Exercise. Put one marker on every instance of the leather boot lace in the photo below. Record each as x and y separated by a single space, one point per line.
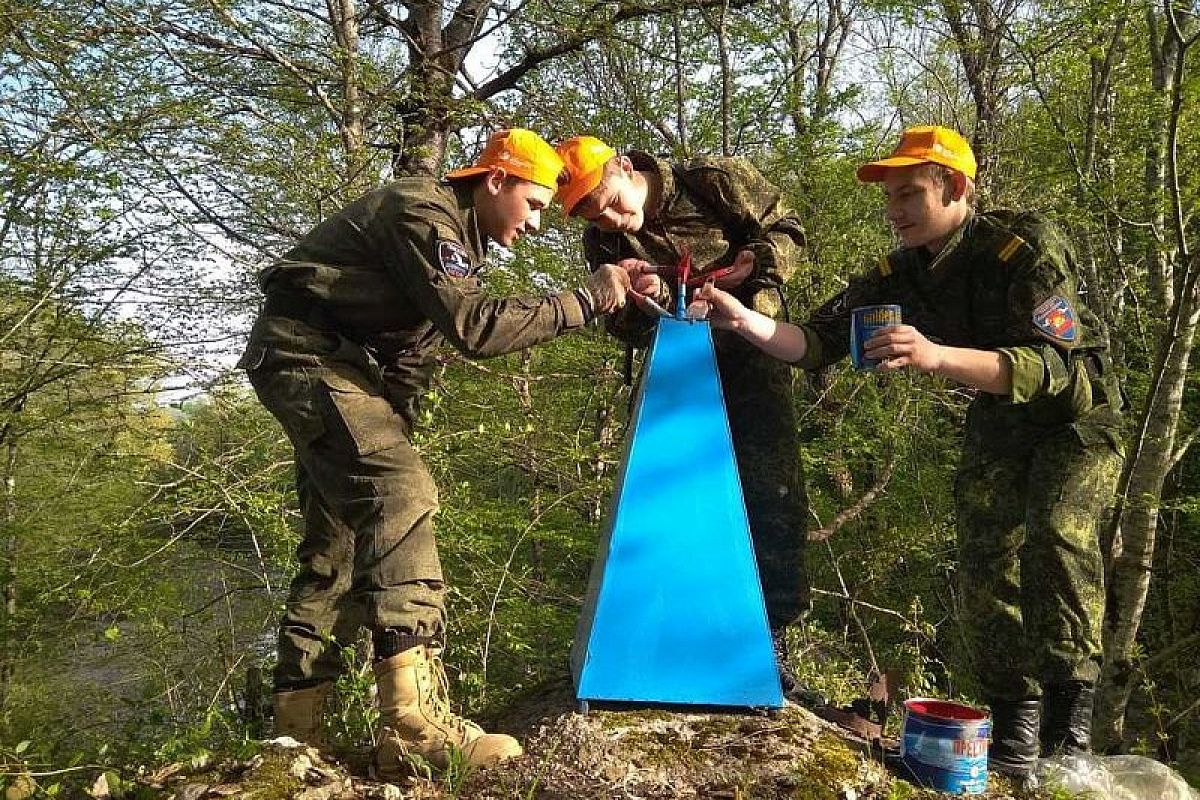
456 727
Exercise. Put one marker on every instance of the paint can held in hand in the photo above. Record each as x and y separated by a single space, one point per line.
865 321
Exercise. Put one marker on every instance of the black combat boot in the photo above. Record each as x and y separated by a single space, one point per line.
1014 748
1067 718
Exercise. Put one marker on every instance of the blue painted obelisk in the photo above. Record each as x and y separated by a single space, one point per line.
674 612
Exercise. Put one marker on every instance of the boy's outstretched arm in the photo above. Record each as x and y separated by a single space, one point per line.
782 340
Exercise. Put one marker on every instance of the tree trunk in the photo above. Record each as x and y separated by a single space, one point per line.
720 30
424 119
8 579
830 43
605 433
681 127
1102 262
979 43
1163 47
824 56
1150 459
344 19
531 461
797 63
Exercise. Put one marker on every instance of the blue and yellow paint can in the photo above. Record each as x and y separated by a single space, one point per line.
864 322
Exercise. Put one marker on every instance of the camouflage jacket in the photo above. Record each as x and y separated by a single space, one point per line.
392 276
715 207
1005 281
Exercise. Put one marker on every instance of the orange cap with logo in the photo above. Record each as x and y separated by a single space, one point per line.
926 144
520 153
584 157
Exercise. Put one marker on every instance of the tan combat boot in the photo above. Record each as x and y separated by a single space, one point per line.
298 713
415 719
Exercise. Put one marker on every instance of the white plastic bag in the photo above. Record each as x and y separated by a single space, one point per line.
1077 774
1146 778
1115 778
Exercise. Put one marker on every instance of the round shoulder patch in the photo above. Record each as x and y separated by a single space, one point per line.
1055 319
452 259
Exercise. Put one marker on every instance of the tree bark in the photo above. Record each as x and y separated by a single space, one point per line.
1163 49
1146 469
726 81
351 128
9 577
979 41
681 127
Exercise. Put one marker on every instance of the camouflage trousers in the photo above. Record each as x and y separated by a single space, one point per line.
1030 502
762 421
368 555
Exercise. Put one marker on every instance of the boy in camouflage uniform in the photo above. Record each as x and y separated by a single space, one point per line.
991 300
645 211
341 353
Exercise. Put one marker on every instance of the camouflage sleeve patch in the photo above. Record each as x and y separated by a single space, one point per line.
1056 320
449 255
452 259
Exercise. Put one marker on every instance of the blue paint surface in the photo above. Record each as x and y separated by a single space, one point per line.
674 612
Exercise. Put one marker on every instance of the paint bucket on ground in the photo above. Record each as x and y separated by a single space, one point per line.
945 745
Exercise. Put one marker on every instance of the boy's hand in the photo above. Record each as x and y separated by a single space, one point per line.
742 266
608 286
899 346
642 279
721 308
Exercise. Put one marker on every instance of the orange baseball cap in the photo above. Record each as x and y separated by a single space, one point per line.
519 152
925 144
584 157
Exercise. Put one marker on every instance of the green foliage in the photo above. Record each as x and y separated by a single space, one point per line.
350 723
520 501
891 570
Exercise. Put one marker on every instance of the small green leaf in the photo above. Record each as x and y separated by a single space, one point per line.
22 747
112 633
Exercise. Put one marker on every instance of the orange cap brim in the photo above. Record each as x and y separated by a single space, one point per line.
877 170
466 172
